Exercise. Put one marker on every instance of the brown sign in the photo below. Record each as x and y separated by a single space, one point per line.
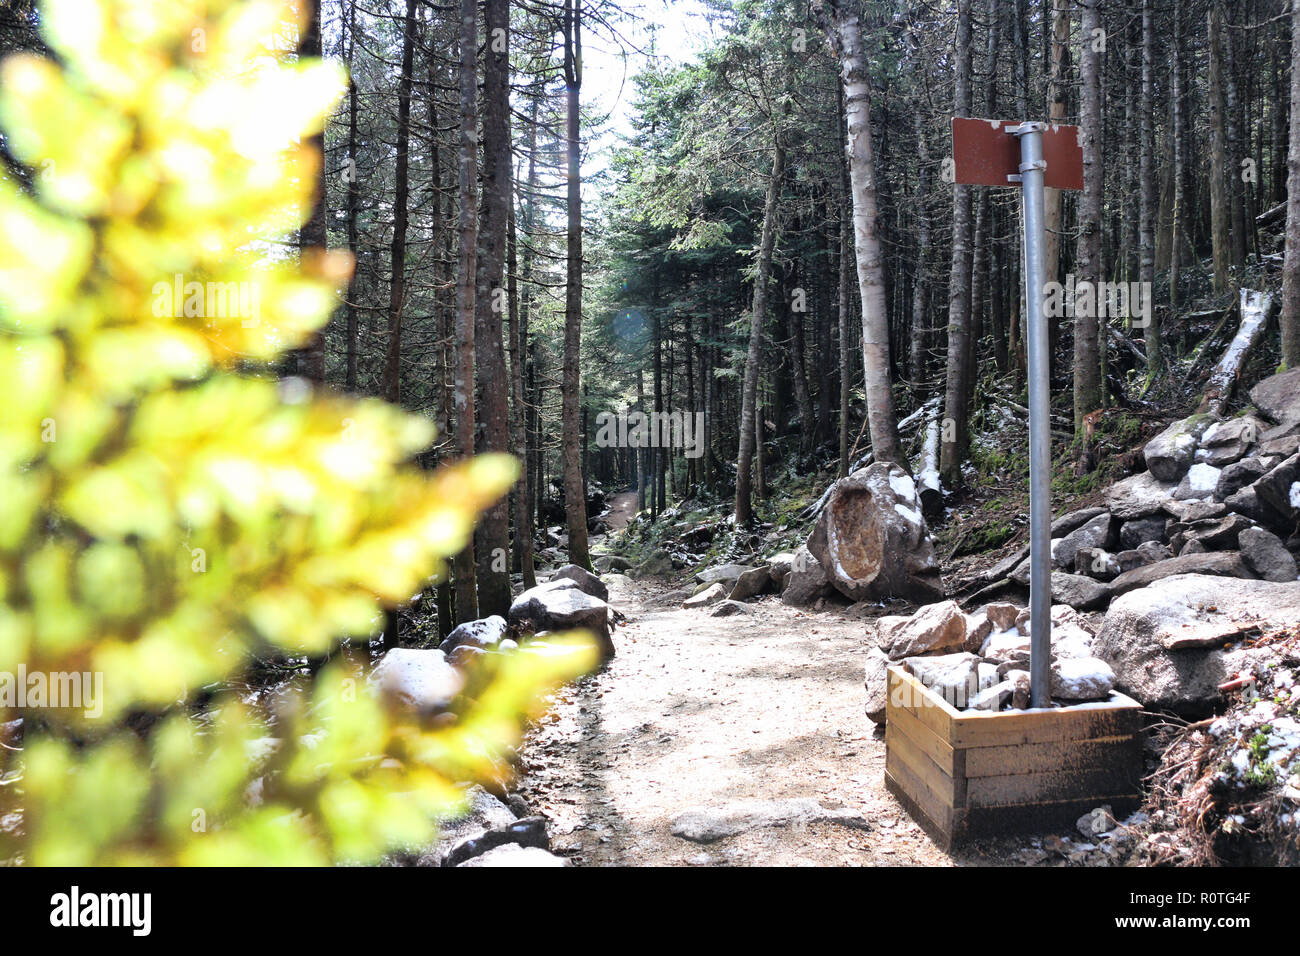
985 155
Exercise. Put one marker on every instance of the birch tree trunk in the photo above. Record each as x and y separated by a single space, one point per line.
881 422
954 427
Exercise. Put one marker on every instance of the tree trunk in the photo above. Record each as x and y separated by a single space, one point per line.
845 318
521 307
920 285
1147 190
575 497
1178 225
758 319
870 259
464 565
1290 317
954 427
1056 110
392 385
1087 368
351 175
313 237
492 536
1219 172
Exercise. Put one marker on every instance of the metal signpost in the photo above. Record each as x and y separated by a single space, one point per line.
985 154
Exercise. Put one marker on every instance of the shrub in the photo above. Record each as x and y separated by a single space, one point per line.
173 515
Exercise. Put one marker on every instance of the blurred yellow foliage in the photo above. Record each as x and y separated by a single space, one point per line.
167 518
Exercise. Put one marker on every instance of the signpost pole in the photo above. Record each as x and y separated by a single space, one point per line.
1032 168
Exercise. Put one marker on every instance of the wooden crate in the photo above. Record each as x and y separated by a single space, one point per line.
966 774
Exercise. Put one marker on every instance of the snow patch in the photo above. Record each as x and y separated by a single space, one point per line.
903 486
909 514
1203 477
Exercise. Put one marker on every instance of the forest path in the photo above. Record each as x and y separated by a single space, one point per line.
704 711
622 509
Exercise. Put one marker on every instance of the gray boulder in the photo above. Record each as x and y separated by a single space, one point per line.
872 539
1220 563
658 565
751 583
418 679
1073 519
1279 495
1264 552
1171 453
806 581
1138 496
513 855
587 582
1240 474
876 682
1097 532
1077 590
725 573
708 824
1174 642
934 627
561 606
1226 442
1199 483
1134 532
729 608
485 634
954 677
1278 396
1081 678
711 595
1215 534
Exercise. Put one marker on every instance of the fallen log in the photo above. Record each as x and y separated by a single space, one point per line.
1271 216
1222 381
929 487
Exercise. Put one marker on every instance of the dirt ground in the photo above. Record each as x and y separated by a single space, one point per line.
703 711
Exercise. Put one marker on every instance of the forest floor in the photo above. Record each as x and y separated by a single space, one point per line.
703 711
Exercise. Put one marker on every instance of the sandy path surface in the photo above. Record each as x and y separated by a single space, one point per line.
704 711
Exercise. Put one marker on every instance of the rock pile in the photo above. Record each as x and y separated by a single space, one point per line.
1219 498
980 661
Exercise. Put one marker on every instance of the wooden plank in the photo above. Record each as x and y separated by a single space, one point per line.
935 817
922 737
1034 818
941 784
1011 728
1052 755
1097 783
908 693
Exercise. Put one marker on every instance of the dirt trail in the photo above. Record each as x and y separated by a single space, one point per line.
622 509
697 710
